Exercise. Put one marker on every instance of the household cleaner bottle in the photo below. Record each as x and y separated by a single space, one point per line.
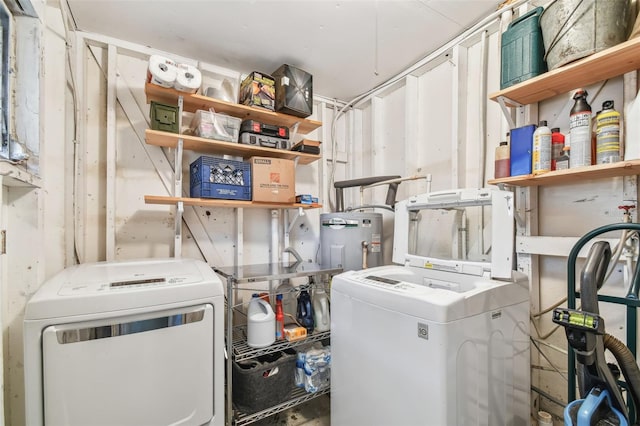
261 323
321 316
608 134
304 314
503 160
557 145
541 149
279 318
580 130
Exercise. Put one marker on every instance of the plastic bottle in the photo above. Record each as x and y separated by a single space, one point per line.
541 149
279 318
564 162
580 130
321 315
503 161
608 134
289 302
557 144
261 323
304 314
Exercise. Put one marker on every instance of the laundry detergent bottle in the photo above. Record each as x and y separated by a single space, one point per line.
261 323
322 319
304 314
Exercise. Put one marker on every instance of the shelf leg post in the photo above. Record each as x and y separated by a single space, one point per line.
229 354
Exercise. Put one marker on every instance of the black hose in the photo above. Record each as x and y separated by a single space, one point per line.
628 366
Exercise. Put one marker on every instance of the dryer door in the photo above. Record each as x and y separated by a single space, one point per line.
147 369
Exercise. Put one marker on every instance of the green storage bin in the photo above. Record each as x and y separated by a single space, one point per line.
164 117
522 55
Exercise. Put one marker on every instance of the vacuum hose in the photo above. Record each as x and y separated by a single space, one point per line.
628 367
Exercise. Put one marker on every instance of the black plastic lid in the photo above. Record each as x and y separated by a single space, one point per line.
607 105
503 143
543 123
555 130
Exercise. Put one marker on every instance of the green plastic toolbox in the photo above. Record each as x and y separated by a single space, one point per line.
522 55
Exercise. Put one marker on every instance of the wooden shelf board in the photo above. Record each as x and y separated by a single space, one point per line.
209 202
605 64
195 143
192 103
622 168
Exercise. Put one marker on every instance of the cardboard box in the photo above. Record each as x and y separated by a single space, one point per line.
273 180
258 90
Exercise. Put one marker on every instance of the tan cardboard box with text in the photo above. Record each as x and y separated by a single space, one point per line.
273 180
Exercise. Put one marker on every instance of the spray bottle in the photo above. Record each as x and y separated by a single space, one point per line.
580 130
607 134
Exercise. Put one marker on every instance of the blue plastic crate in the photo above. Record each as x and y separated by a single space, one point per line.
223 179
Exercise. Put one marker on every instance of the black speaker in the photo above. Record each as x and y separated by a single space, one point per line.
294 91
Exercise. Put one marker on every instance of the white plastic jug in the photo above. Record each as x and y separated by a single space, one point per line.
632 130
321 315
261 323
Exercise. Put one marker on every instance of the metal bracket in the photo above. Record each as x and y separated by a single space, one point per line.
502 100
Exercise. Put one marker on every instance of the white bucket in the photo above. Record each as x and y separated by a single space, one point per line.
261 324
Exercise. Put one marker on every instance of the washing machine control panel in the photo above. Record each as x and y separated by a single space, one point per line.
384 282
144 282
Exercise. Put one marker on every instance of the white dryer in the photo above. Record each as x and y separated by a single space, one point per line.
129 343
433 341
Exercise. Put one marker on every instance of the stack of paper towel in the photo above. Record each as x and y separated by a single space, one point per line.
167 73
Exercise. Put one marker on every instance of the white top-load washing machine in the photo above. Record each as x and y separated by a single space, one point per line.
434 341
126 343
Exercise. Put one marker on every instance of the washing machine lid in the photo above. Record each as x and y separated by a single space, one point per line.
91 288
502 225
432 295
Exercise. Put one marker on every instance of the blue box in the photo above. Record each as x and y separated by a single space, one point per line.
520 150
223 179
304 199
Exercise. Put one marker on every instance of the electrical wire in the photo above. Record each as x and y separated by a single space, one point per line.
550 308
557 370
541 336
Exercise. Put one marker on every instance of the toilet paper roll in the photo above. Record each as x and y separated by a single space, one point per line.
189 79
162 71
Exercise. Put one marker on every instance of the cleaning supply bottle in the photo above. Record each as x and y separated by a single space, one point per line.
503 160
557 144
261 323
564 161
279 318
304 314
321 316
541 149
608 134
289 301
580 130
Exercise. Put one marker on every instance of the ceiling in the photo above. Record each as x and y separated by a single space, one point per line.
349 46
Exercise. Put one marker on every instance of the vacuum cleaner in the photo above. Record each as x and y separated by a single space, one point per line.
601 401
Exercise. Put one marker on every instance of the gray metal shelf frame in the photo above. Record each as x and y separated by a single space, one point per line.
237 275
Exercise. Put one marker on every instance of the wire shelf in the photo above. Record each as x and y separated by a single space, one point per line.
242 351
298 396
